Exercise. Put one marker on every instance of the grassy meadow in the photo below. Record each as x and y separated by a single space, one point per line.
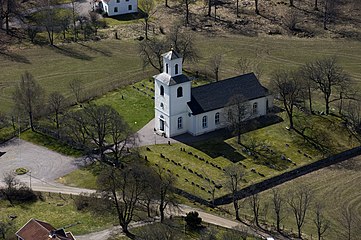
108 63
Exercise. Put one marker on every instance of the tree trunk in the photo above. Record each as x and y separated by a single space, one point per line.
31 121
187 12
146 29
291 3
310 99
256 5
327 102
316 6
278 223
299 232
215 10
166 3
237 6
235 205
209 8
57 123
7 23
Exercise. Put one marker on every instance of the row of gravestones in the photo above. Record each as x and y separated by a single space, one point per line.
144 92
157 165
218 186
203 160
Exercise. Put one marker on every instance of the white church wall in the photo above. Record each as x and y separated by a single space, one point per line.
179 104
198 128
123 7
171 66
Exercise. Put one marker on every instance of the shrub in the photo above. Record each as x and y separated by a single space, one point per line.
21 171
193 220
82 202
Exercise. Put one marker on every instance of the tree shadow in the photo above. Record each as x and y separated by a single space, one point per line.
103 52
71 53
14 57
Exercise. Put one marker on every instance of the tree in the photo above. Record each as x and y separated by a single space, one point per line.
8 8
124 187
6 226
95 21
74 16
277 201
186 4
288 86
164 184
237 110
215 64
348 223
329 12
148 8
244 65
299 202
57 104
315 6
256 7
151 53
327 76
11 184
77 87
353 116
309 85
254 202
193 220
234 175
28 97
320 222
291 3
291 19
183 43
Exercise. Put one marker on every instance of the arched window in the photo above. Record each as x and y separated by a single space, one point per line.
180 92
161 90
161 105
176 69
166 68
204 122
180 123
216 118
267 106
255 110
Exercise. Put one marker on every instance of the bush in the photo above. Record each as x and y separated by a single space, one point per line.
21 171
193 220
82 202
23 194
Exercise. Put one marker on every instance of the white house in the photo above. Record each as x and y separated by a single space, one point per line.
117 7
179 108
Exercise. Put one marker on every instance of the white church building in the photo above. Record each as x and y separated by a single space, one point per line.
117 7
180 109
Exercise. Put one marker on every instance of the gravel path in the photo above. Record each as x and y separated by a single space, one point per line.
45 165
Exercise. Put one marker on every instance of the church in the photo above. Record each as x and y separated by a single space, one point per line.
180 109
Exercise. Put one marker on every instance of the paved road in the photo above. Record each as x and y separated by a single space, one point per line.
45 165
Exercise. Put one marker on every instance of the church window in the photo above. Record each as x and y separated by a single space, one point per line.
166 68
180 92
180 123
161 105
118 1
116 9
255 106
216 118
204 122
130 7
161 90
176 69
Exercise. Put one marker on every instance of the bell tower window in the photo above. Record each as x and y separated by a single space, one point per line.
176 69
180 92
161 90
166 68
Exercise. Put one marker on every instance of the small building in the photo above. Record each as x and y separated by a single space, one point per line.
117 7
180 109
38 230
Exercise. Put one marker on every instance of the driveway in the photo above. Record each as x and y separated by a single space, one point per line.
45 165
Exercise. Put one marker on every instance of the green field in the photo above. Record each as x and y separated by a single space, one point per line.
59 211
108 63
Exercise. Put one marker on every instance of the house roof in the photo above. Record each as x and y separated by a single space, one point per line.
169 81
216 95
171 55
38 230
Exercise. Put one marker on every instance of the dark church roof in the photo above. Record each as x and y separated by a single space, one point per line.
171 55
169 81
216 95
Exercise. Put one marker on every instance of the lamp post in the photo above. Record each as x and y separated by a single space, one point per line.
155 138
30 178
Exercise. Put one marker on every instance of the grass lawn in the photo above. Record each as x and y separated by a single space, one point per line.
177 225
335 187
103 64
58 211
50 143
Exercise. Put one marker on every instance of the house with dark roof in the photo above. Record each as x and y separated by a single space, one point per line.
38 230
180 109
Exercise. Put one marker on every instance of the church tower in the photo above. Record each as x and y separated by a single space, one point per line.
172 93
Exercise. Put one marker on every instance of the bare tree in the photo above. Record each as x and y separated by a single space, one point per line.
254 202
353 115
299 201
321 223
183 43
329 12
278 202
11 184
237 111
165 183
28 97
74 16
8 8
234 175
151 53
6 227
244 65
327 75
148 8
77 87
291 19
57 104
256 7
288 86
215 64
124 187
